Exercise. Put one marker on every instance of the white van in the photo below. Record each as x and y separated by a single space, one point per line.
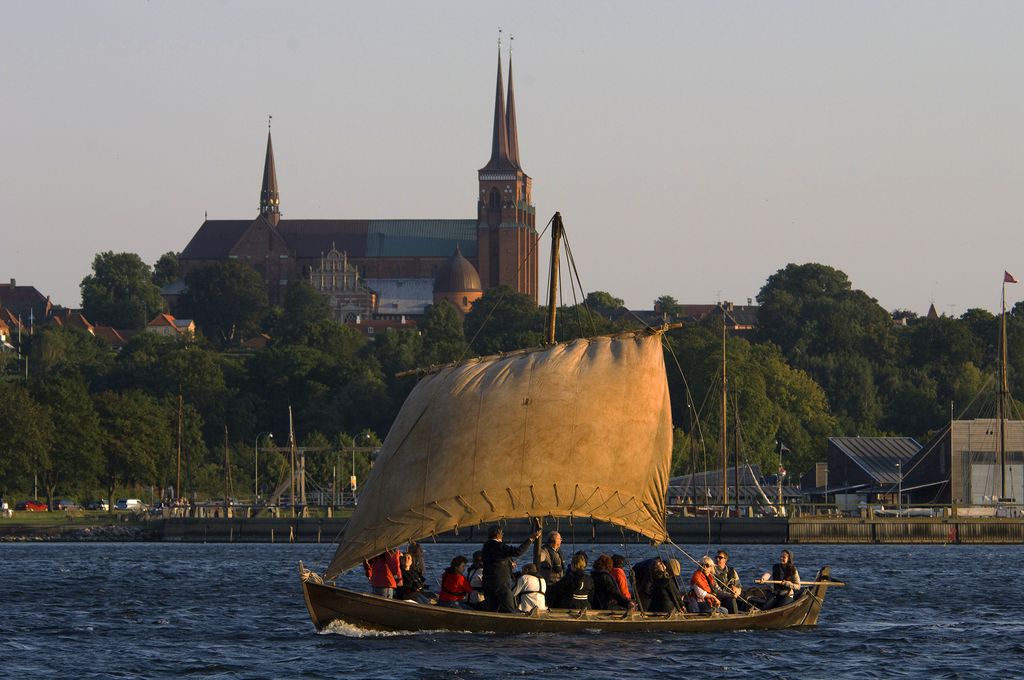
129 504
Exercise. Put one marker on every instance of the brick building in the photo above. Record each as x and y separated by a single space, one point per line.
388 257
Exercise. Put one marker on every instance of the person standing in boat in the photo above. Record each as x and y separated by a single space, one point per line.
384 572
726 583
497 559
787 581
551 565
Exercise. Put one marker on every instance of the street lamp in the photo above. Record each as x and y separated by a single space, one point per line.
256 467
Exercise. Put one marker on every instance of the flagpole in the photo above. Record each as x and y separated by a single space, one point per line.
1002 396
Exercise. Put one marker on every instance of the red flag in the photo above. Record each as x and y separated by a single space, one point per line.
1008 277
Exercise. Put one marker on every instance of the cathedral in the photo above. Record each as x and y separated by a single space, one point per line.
384 268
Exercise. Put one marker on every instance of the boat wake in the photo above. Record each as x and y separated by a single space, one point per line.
348 630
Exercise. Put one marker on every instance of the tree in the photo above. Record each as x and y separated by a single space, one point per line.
137 437
443 339
600 302
74 457
166 270
503 320
227 300
304 308
669 306
120 292
26 436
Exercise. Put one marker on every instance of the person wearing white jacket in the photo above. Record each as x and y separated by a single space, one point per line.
529 590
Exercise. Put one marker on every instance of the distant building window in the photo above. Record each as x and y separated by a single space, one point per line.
495 198
350 318
465 300
232 257
284 282
369 330
270 242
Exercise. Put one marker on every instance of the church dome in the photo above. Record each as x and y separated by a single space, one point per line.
457 275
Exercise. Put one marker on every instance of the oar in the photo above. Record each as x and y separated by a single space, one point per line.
806 583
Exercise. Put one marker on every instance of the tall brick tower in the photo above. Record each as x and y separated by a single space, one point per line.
506 217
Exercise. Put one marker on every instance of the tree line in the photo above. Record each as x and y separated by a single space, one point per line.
826 359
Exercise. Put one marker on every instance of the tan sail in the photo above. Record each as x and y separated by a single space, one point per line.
581 428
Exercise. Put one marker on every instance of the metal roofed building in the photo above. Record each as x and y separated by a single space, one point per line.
864 469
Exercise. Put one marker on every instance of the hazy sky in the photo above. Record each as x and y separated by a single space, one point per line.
693 148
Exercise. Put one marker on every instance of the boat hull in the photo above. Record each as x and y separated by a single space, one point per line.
328 604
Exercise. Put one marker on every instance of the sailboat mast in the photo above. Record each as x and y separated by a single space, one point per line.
556 236
291 446
1003 389
177 479
725 425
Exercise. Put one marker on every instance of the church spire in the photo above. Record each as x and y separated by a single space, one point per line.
499 141
511 132
270 199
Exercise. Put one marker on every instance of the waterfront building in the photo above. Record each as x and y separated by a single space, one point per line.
860 470
962 465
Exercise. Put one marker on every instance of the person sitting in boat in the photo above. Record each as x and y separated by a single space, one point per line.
551 566
606 593
455 587
412 586
497 559
572 591
643 575
726 583
787 581
619 574
415 550
384 572
475 574
530 589
664 596
701 598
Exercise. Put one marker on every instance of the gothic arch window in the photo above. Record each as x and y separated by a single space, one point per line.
350 318
495 201
465 301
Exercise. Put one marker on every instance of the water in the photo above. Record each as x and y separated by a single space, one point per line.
136 610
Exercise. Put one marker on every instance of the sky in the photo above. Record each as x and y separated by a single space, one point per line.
692 148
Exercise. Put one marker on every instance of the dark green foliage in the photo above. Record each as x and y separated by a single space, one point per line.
503 320
120 292
443 338
227 300
166 269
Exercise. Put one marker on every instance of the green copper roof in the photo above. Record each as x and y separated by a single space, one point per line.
420 238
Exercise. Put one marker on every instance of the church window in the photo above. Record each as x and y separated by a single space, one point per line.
465 300
270 242
495 198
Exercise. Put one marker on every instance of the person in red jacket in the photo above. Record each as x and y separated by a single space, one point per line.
384 572
454 585
619 574
701 598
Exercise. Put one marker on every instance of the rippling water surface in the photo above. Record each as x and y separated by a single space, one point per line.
235 611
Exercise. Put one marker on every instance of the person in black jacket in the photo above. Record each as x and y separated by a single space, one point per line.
497 559
606 593
413 585
573 590
665 597
643 578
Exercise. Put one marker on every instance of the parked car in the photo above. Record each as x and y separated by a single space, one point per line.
101 504
32 506
67 504
129 504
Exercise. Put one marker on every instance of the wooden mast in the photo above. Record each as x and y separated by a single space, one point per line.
725 425
556 236
1003 389
556 242
177 479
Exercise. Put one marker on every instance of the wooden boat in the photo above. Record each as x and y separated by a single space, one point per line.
328 604
573 429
